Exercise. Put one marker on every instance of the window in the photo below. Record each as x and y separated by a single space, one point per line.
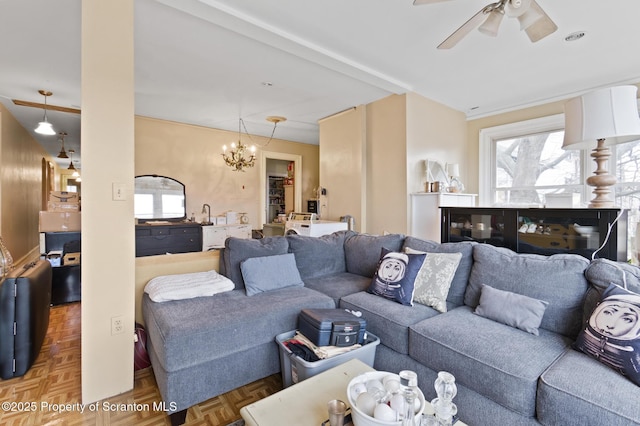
521 164
529 167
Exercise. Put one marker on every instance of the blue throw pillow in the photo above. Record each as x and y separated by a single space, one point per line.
395 276
612 334
268 273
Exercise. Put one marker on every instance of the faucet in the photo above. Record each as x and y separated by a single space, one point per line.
205 208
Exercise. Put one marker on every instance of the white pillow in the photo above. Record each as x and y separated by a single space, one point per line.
434 278
187 286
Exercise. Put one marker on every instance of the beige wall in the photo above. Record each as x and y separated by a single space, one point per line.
435 132
192 155
343 166
399 132
20 188
108 243
387 165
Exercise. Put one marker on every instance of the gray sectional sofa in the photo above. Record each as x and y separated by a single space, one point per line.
202 347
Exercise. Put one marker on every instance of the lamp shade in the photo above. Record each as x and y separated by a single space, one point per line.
610 114
453 170
45 128
491 25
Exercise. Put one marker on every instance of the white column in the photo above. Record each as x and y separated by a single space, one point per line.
108 242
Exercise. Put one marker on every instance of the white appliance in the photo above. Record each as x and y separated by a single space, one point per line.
308 224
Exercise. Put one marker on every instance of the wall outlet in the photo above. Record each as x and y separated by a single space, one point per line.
117 325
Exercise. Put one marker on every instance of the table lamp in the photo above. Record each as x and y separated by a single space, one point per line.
608 116
453 170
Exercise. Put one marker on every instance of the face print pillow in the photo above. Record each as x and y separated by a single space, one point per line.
612 335
395 276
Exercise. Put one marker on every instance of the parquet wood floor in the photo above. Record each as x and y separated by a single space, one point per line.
55 379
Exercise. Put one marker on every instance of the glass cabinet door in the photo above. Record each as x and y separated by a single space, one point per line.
485 226
551 231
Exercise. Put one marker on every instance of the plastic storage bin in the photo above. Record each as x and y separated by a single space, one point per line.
295 369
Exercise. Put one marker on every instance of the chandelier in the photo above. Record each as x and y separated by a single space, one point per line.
236 157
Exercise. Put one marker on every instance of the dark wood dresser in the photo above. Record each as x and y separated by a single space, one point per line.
154 239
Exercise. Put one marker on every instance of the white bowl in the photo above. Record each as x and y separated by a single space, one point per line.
584 230
359 417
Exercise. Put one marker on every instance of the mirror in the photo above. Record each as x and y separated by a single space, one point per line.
159 198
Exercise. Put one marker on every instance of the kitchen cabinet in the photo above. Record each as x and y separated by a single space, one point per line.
214 236
425 211
541 231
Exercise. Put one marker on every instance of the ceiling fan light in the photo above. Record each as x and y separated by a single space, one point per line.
540 29
529 18
45 128
491 25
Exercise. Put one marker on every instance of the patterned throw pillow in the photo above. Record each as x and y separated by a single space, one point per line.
612 335
434 278
395 276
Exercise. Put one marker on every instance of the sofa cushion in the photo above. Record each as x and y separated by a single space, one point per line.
362 251
602 272
512 309
577 390
189 332
612 335
461 277
388 320
500 362
319 256
434 278
268 273
238 249
338 285
395 277
557 279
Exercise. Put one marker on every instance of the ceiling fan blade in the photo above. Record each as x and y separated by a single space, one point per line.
465 29
47 106
419 2
542 27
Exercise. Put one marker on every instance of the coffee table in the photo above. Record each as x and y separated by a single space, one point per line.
305 403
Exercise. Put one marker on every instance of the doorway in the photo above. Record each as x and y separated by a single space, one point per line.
274 164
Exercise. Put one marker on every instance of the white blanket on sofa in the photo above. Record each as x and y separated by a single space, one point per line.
187 286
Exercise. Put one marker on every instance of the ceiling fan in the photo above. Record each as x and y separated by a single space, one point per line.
533 20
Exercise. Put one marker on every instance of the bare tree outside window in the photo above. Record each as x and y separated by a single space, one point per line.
530 166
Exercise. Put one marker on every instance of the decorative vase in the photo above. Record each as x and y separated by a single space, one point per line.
446 390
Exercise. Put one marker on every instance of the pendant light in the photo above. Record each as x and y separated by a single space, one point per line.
71 166
62 153
44 127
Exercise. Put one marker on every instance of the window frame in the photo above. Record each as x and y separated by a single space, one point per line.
487 152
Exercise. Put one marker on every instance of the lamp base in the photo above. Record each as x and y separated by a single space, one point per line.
602 181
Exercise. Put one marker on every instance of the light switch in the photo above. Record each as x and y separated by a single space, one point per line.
119 192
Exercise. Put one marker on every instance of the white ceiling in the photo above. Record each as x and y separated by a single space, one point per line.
205 62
